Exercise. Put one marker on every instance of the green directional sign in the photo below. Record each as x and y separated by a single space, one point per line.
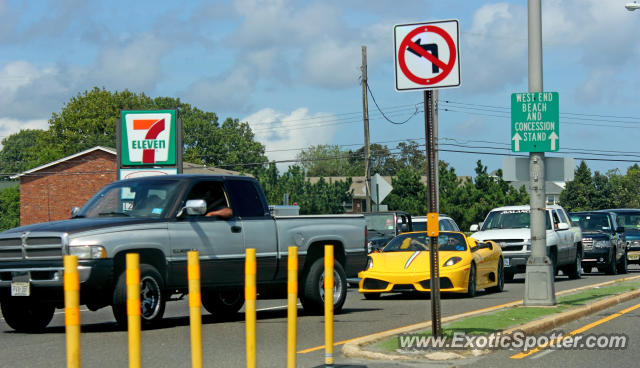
535 122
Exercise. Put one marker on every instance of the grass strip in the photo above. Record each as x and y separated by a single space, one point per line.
514 316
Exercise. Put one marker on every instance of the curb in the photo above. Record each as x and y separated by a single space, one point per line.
353 349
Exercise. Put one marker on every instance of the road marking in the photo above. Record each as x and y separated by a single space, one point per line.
575 332
278 307
474 312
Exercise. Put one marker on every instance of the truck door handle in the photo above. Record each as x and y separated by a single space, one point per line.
236 229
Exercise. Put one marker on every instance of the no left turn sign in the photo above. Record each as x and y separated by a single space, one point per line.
427 55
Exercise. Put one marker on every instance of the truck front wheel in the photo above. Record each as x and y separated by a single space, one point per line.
24 314
312 296
152 297
223 302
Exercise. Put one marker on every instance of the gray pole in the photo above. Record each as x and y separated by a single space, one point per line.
539 286
365 113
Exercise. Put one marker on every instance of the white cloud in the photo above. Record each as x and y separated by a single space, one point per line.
11 126
493 51
230 90
134 64
283 133
332 65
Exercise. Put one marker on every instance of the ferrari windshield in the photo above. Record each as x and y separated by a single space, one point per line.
411 242
510 219
132 198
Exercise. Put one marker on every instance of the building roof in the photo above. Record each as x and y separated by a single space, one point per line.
187 167
96 148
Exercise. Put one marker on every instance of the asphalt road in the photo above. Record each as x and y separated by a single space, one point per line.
224 341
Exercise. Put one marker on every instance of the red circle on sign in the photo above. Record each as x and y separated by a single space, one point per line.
446 68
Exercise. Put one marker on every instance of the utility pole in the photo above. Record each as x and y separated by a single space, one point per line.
365 114
539 282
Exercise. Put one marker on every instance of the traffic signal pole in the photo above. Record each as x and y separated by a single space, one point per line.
539 281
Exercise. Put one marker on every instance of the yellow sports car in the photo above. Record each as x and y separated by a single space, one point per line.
403 265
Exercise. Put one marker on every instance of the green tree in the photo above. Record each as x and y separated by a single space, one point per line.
322 197
408 193
326 160
625 189
89 119
9 207
23 150
579 192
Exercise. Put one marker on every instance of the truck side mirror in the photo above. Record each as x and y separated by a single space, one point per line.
473 228
194 207
563 226
74 211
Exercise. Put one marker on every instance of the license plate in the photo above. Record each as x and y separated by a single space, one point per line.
20 289
633 257
506 262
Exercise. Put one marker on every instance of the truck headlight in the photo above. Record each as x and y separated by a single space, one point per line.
87 251
601 244
451 261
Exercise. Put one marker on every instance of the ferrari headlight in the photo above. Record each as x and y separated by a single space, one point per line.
87 251
451 261
601 244
369 263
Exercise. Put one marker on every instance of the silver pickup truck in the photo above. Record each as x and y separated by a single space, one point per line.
162 218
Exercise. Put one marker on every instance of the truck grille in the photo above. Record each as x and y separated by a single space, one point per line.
587 243
510 245
35 248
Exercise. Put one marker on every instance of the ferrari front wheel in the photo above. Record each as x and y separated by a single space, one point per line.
471 288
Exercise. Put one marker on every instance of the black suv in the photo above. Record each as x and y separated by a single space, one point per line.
629 218
603 241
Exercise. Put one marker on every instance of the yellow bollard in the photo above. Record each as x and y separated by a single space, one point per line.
133 309
72 311
195 302
250 305
328 305
292 306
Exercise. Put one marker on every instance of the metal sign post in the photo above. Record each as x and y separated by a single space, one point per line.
431 138
539 288
427 57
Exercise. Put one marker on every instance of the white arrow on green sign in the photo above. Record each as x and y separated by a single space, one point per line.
535 120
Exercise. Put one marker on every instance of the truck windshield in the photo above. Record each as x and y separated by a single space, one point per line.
132 198
630 220
591 222
380 222
510 219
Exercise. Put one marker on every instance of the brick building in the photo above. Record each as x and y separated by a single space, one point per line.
50 191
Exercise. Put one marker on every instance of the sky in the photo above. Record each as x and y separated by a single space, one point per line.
292 69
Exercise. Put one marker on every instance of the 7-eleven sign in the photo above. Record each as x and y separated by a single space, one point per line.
148 137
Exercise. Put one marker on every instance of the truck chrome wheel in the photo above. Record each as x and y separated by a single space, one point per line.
337 286
150 296
312 293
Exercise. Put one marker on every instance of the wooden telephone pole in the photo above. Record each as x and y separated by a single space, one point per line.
365 114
